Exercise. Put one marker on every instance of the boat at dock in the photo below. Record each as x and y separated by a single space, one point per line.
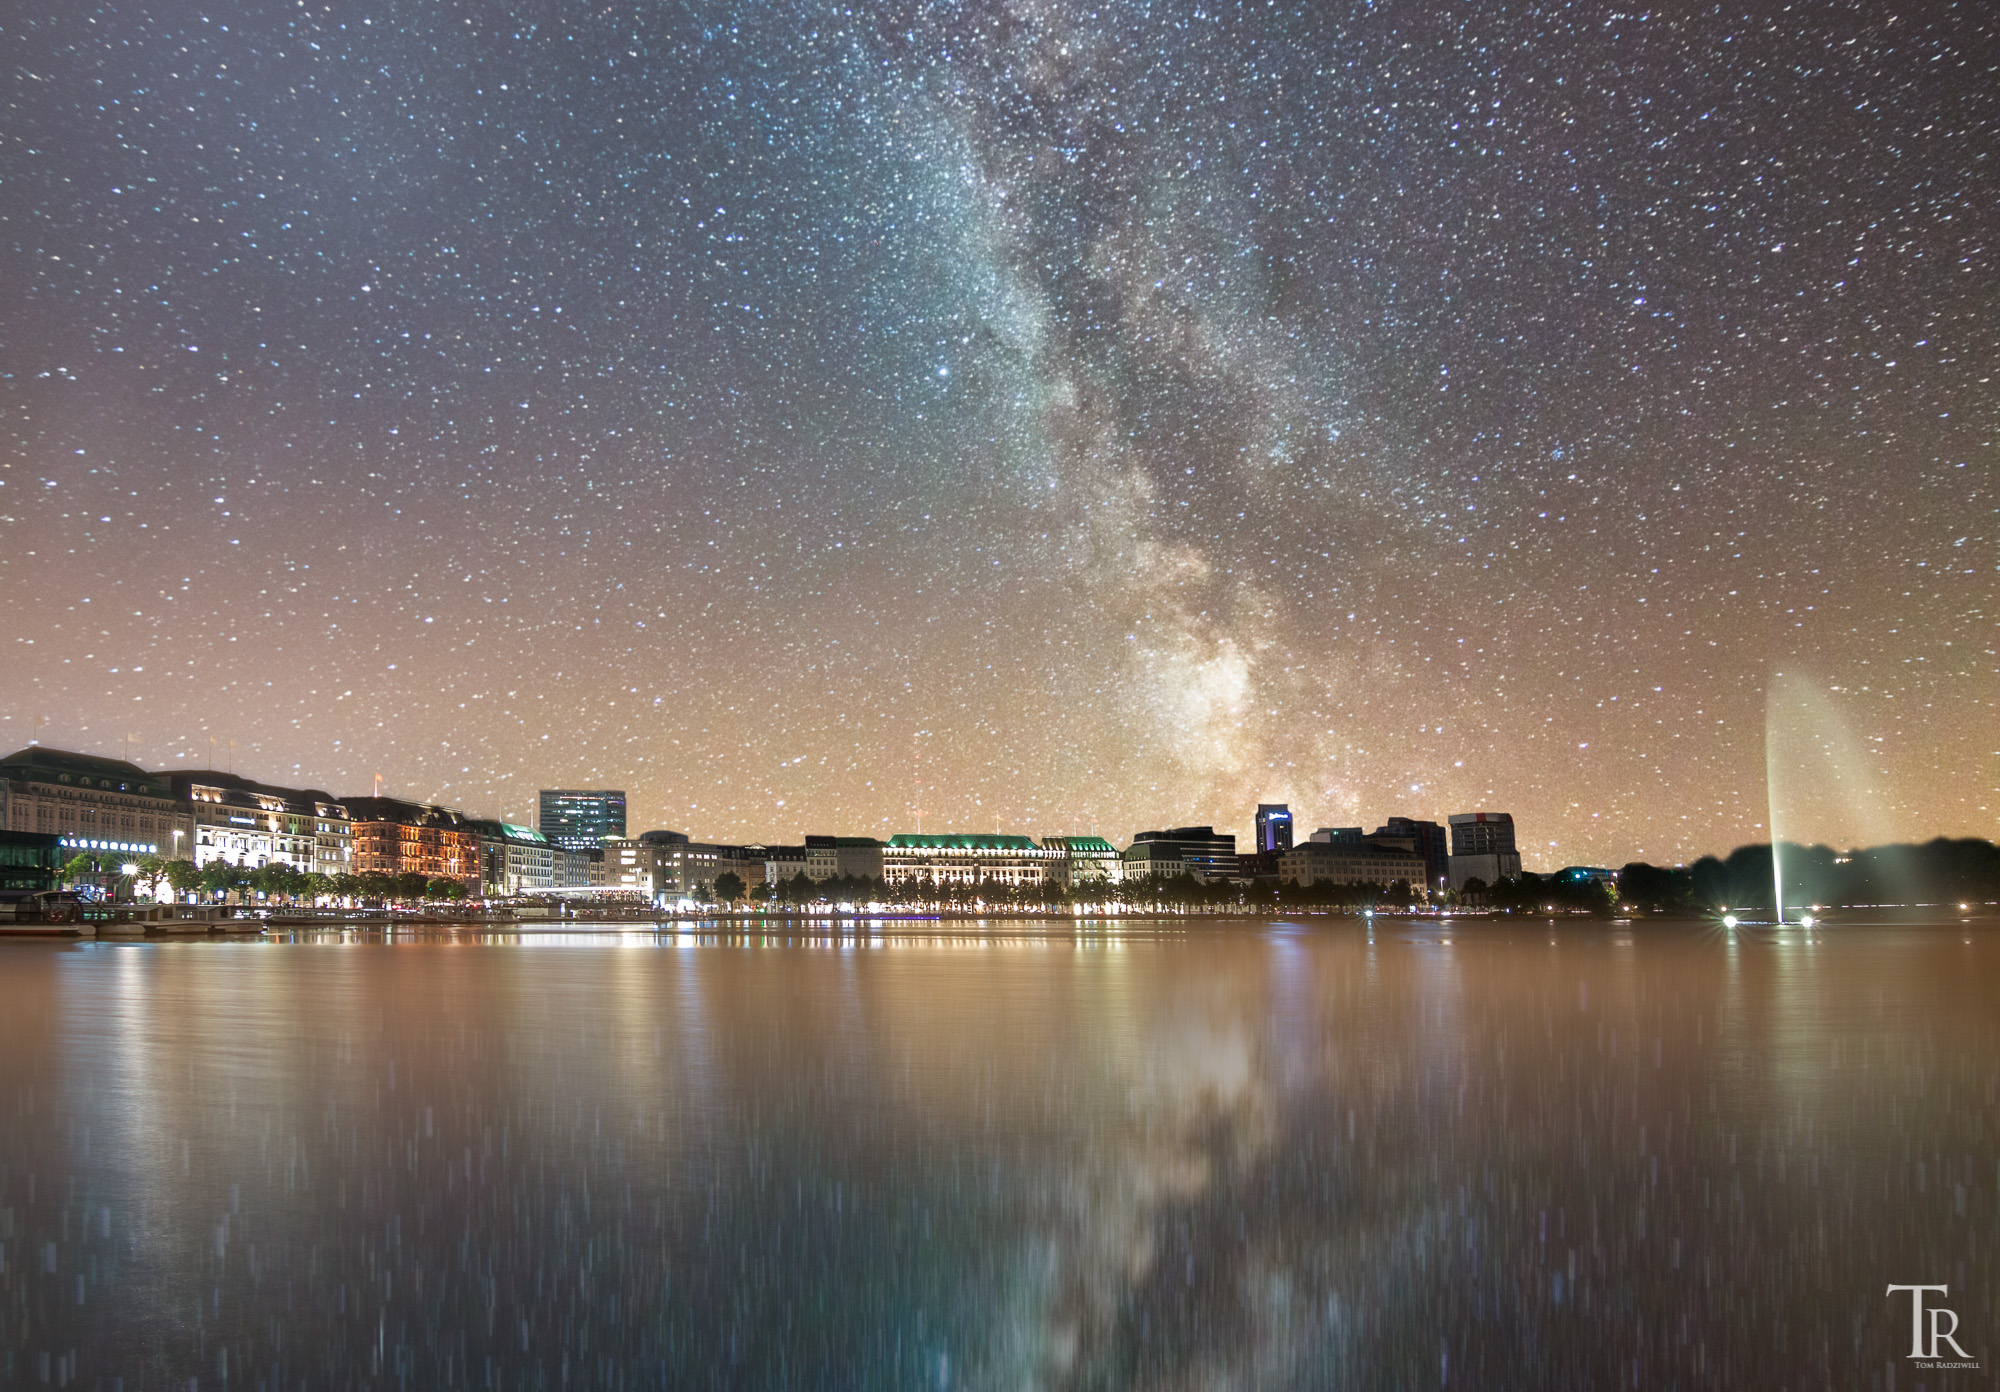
169 920
42 913
61 914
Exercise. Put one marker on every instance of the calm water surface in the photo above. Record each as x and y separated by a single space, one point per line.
1239 1155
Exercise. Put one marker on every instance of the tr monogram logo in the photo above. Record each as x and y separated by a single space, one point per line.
1927 1335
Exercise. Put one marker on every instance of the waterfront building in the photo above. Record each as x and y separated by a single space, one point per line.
242 822
1155 860
746 863
688 869
333 837
922 860
675 868
582 818
513 859
1259 867
577 869
395 837
1365 860
93 803
685 868
782 863
31 860
642 867
702 863
1482 848
668 862
843 857
1274 826
1084 860
1429 841
1199 851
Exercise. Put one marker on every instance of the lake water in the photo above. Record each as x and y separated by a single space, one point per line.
1491 1154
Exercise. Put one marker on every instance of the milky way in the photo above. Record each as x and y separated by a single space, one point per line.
1023 415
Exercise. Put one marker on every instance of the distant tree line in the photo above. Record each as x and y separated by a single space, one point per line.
1935 872
1540 894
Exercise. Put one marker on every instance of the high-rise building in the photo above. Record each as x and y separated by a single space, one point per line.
1482 848
1274 826
1429 841
581 819
1482 833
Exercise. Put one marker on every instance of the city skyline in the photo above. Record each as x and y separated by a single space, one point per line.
1081 420
1394 824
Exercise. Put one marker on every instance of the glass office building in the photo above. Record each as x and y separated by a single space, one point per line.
31 860
579 819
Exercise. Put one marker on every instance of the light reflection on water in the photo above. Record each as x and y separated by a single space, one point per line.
1148 1155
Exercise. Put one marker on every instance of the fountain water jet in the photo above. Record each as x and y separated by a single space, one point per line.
1816 774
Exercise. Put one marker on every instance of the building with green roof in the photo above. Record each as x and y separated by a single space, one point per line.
513 859
1084 860
965 858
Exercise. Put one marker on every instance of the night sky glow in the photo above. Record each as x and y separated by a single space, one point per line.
1043 416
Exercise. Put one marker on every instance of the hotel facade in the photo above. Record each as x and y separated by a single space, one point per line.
238 821
93 803
971 860
394 837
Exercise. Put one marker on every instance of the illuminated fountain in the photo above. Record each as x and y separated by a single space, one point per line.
1817 778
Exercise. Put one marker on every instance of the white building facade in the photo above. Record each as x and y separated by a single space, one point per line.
925 861
1084 860
241 822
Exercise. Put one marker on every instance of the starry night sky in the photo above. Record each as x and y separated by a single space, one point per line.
1046 416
